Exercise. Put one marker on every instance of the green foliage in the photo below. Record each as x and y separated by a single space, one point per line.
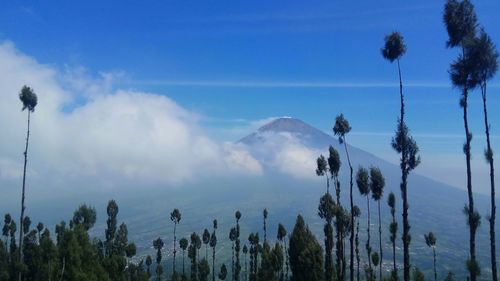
334 162
377 183
203 270
223 272
28 98
362 180
430 239
394 47
341 127
85 216
460 20
306 258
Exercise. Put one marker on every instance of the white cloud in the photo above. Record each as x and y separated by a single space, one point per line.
83 129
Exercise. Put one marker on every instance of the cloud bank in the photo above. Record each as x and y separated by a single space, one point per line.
85 130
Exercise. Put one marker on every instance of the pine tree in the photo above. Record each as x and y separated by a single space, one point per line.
306 258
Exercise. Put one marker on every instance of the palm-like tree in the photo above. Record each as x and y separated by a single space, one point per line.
461 23
264 214
232 238
341 129
430 240
484 57
29 100
321 170
175 217
362 180
158 245
375 261
237 245
213 243
282 238
403 143
183 243
206 240
377 183
393 228
357 214
245 252
327 210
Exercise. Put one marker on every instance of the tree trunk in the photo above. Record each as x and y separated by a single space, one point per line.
472 227
435 272
175 238
380 241
213 262
368 247
492 184
351 238
20 255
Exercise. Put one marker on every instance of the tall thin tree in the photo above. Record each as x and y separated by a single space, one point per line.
237 246
158 245
213 244
264 215
206 240
430 240
341 129
29 100
362 180
461 23
484 56
175 217
393 228
357 214
281 237
403 143
183 243
377 184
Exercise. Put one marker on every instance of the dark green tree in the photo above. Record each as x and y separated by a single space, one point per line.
264 214
461 23
149 261
237 247
203 270
403 143
377 184
245 252
158 245
29 100
362 180
341 129
183 243
418 275
306 258
430 240
393 228
213 244
232 238
484 56
357 214
223 272
327 210
85 216
253 239
282 238
376 261
206 240
175 217
111 222
193 253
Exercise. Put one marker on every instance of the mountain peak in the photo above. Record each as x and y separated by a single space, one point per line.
306 133
289 124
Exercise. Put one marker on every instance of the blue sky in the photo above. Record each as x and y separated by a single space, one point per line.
236 62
